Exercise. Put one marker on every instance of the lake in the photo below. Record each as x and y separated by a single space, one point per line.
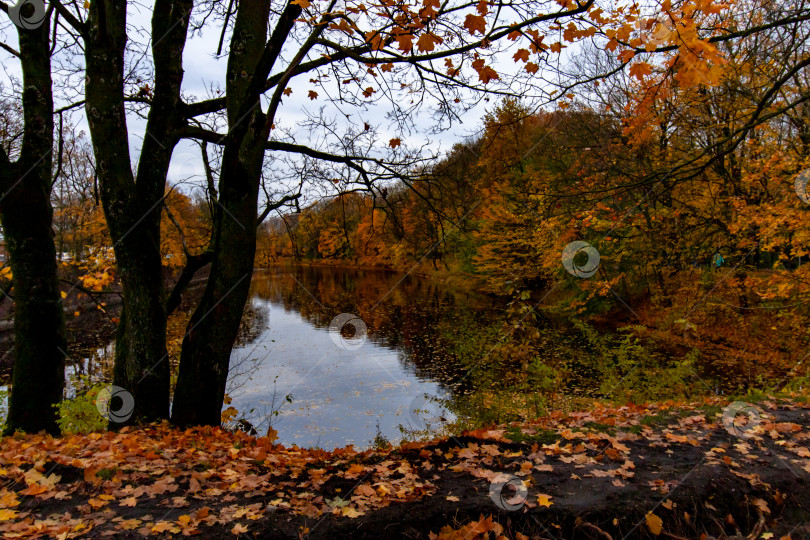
359 352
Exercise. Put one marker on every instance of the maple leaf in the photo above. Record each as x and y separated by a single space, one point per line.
303 3
532 68
522 54
129 501
6 514
165 526
239 529
762 506
350 512
485 525
544 500
428 42
375 39
626 56
475 23
312 94
393 143
677 438
287 91
640 70
485 73
130 524
365 490
405 42
570 32
8 499
202 513
654 523
337 502
97 503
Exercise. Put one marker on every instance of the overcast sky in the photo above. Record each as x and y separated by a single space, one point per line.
204 70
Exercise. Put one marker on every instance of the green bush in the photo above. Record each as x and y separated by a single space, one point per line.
79 414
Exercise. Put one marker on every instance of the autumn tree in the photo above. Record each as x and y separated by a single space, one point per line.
401 55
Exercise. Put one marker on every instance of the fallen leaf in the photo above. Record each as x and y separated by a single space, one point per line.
654 523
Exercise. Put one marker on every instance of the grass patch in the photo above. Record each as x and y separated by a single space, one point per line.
543 436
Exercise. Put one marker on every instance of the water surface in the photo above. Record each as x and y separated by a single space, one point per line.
347 385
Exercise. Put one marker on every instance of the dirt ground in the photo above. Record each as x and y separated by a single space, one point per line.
669 470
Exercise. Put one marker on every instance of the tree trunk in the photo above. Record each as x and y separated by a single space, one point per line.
39 332
133 208
213 327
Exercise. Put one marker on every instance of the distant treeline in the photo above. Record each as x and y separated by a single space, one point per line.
504 206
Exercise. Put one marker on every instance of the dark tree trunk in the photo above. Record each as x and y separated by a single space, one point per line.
39 333
213 327
133 207
215 323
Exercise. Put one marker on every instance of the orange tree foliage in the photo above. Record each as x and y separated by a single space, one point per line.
184 228
658 170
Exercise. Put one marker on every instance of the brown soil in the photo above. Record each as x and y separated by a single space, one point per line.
603 473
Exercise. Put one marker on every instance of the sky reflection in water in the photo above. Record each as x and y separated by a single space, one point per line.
341 395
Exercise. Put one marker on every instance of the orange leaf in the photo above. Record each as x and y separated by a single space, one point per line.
522 54
475 23
427 42
626 56
405 42
544 500
654 523
640 70
485 73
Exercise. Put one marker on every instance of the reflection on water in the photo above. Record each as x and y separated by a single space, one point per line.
345 387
